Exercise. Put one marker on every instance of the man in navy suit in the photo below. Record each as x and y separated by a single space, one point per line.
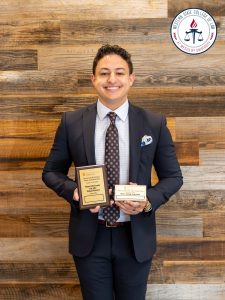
114 262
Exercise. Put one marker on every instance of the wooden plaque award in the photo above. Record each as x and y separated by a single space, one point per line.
92 186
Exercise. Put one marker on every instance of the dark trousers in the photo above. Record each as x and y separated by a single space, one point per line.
111 270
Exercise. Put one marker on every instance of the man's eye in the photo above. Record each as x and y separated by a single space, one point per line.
120 73
104 74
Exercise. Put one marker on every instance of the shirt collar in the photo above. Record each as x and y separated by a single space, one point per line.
121 111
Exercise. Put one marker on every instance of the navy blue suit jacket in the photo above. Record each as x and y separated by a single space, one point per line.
74 143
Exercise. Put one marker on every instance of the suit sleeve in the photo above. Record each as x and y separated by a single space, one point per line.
57 166
167 169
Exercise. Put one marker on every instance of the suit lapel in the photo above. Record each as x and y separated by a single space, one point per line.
135 126
89 118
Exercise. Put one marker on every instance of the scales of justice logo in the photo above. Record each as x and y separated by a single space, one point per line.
193 31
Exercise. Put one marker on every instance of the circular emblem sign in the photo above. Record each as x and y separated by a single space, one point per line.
193 31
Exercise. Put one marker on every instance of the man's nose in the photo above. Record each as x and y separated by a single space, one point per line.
112 77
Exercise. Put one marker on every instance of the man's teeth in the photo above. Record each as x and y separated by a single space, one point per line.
112 88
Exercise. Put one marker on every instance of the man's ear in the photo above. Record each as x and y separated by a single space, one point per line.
132 78
92 78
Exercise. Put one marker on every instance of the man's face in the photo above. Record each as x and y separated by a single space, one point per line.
112 80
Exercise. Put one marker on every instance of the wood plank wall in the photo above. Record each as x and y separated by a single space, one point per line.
46 52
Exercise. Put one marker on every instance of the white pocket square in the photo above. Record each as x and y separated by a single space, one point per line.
146 140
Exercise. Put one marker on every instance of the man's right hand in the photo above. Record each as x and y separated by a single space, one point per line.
92 210
76 195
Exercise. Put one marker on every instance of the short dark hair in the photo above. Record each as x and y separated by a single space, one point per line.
112 49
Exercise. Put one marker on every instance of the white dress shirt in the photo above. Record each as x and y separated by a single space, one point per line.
122 124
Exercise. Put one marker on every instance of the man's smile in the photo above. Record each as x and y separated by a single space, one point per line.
112 88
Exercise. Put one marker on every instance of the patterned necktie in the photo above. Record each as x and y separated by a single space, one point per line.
112 163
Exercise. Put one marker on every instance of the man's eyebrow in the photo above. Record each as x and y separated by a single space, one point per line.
120 68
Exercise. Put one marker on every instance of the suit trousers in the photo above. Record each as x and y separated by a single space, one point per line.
111 271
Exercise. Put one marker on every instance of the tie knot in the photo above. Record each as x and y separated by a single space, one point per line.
112 117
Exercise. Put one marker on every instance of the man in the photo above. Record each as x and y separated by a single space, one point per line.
113 259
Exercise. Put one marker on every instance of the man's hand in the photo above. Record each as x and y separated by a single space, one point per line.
75 195
132 207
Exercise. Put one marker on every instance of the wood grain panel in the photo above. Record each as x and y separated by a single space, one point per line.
33 129
18 60
213 157
175 225
220 22
7 165
77 58
214 224
45 291
194 102
185 291
203 178
24 179
187 153
215 8
54 272
34 249
30 200
54 224
102 31
194 223
25 33
204 129
212 146
25 82
87 10
20 179
39 107
24 149
196 201
156 275
186 248
13 226
208 272
171 124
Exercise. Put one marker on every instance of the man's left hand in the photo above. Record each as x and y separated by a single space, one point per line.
131 207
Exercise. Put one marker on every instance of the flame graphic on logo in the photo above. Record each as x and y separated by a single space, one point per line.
193 24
